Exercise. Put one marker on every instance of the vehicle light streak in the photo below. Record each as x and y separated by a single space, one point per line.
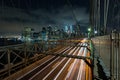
65 64
56 67
48 65
59 51
75 62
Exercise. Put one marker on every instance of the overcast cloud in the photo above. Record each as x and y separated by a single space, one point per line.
14 20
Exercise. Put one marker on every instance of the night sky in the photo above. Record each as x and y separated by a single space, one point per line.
17 14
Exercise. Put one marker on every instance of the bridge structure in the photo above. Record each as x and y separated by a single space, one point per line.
105 33
96 58
27 61
73 59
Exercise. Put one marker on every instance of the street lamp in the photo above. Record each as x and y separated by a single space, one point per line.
89 29
89 32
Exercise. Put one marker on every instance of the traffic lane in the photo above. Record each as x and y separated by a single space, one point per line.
44 71
64 70
57 69
74 68
89 71
82 68
32 78
43 61
54 73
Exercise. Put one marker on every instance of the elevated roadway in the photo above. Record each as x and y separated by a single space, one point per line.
63 68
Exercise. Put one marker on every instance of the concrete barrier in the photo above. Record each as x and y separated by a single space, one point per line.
108 49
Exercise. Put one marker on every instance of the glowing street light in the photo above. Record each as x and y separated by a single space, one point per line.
95 32
89 32
89 29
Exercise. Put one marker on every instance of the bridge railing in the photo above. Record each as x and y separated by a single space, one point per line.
15 57
107 48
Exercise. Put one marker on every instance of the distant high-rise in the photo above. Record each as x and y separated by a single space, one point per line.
27 34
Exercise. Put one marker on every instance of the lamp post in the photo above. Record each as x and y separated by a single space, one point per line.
89 32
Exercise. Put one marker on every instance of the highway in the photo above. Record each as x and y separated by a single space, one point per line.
62 68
